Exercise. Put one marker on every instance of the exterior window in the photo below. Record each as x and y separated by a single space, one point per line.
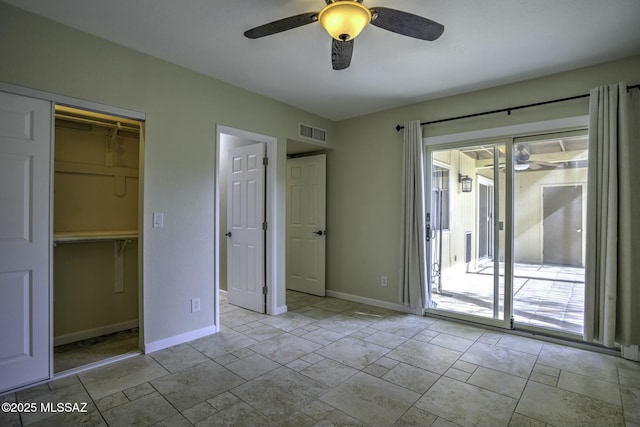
440 198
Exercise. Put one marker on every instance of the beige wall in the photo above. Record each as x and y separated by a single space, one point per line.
182 109
364 172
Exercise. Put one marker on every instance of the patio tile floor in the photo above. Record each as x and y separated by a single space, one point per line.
544 296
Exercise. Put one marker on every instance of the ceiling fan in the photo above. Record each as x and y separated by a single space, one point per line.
521 160
345 19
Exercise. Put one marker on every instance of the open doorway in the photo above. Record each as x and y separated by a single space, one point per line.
272 250
95 226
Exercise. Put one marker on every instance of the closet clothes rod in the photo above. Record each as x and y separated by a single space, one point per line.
117 125
508 110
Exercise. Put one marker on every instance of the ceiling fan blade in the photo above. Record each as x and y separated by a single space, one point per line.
341 53
406 23
282 25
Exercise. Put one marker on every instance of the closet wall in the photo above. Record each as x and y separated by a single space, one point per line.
95 270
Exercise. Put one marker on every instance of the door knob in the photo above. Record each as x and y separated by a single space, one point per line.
228 234
319 232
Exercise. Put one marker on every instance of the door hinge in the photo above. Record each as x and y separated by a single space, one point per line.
265 290
265 226
265 161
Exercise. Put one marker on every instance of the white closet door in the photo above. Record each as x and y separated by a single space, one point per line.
25 240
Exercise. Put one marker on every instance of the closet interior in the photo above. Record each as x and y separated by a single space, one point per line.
95 223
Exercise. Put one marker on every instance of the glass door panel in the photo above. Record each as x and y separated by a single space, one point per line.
550 196
463 214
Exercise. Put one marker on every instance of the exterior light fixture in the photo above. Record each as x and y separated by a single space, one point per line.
466 183
344 19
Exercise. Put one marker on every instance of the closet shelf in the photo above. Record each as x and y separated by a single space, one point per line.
93 236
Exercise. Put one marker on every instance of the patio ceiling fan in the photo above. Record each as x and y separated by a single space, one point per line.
522 160
345 19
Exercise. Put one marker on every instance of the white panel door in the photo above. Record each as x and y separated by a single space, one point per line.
306 224
25 240
245 233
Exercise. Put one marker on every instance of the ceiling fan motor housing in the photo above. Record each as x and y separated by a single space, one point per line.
344 20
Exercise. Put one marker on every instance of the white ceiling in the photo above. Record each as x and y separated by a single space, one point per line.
485 43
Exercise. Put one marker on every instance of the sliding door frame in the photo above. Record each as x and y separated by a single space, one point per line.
494 321
502 135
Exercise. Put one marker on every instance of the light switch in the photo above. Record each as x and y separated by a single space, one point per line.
158 220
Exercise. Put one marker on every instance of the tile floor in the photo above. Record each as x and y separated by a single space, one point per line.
329 362
85 352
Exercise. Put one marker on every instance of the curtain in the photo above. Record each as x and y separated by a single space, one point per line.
612 289
413 248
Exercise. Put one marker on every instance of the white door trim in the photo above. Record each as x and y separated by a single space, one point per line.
72 102
274 255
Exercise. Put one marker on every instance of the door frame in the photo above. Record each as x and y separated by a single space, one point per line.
274 248
489 183
57 99
432 145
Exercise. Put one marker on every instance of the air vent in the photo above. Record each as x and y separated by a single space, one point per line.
315 134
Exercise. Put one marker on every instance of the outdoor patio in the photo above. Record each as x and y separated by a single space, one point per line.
545 296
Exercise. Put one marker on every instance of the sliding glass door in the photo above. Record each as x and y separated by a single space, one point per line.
466 278
549 220
506 223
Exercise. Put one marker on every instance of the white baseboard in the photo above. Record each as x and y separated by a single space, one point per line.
631 352
180 339
96 332
279 310
374 302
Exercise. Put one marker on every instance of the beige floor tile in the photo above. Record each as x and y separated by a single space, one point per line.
196 384
424 355
370 399
285 348
252 366
589 386
239 414
141 412
353 352
410 377
106 380
329 372
565 408
500 359
466 404
499 382
280 393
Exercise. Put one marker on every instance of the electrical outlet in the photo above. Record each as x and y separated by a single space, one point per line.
195 305
383 281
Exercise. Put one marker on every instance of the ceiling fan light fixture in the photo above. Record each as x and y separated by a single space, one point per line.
345 19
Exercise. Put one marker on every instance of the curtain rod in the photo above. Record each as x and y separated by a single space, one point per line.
509 109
